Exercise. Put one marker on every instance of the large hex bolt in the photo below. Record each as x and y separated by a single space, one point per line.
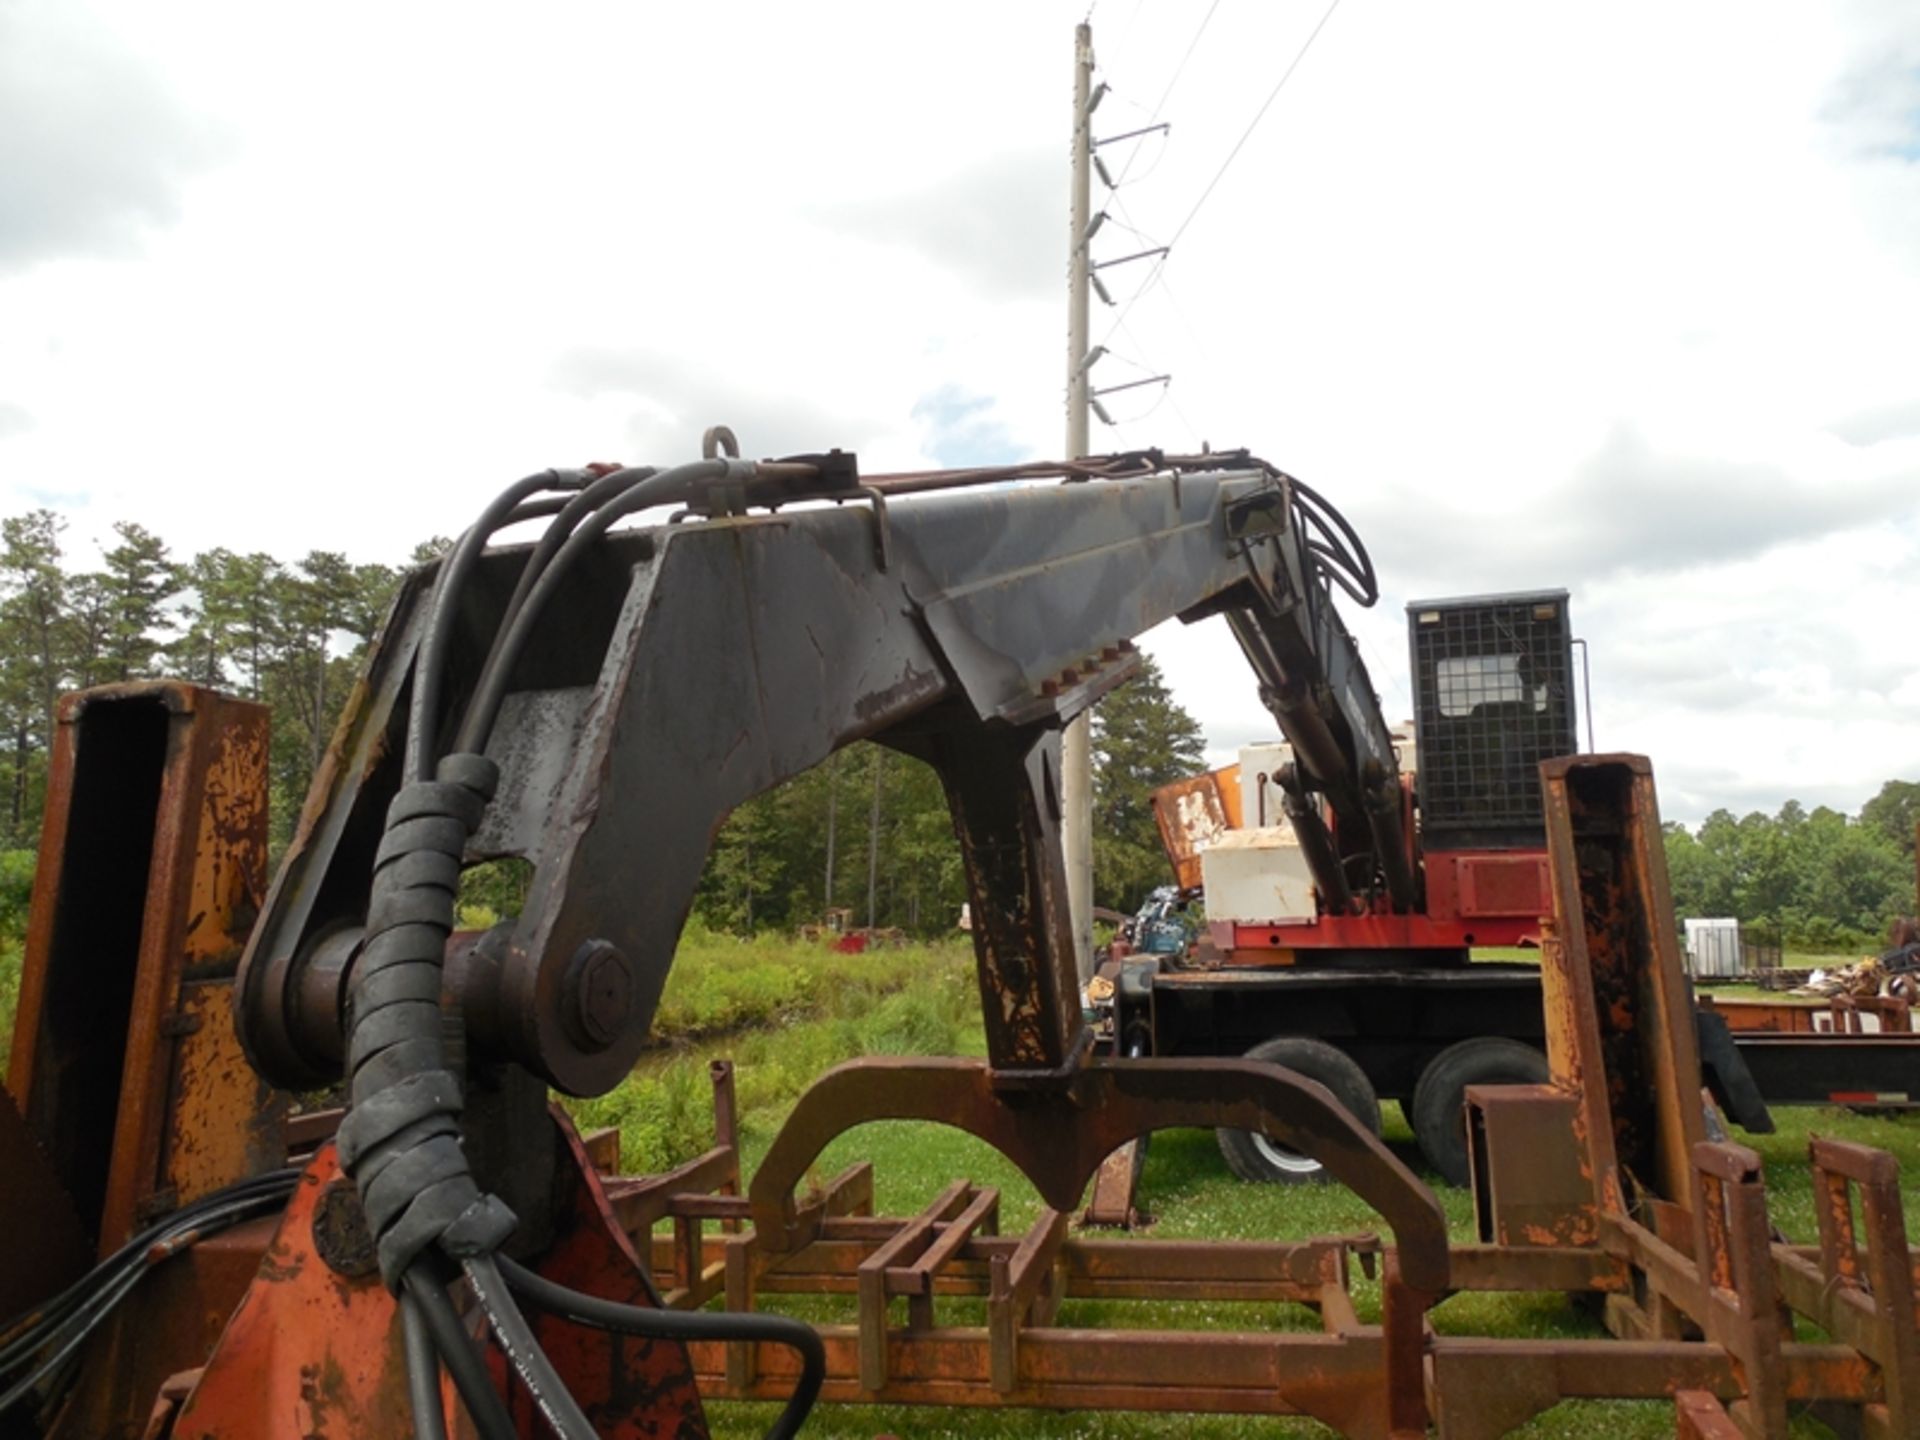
596 997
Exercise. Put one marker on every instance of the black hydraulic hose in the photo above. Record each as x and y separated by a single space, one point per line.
597 493
423 1373
70 1342
160 1242
567 518
276 1184
75 1314
1327 563
650 488
400 1137
460 1354
430 672
1345 547
603 1314
423 717
543 1383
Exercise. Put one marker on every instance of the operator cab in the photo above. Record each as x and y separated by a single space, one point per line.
1493 697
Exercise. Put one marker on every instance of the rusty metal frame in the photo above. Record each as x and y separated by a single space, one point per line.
1601 1183
189 1115
152 866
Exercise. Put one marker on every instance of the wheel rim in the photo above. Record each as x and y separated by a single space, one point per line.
1288 1162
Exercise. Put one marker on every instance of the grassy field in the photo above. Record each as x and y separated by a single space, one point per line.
784 1013
664 1118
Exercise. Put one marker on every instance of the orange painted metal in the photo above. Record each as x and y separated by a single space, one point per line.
1484 884
309 1352
314 1354
1257 944
169 1324
1191 814
1840 1015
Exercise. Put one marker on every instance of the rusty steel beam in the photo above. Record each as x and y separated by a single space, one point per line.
1201 1270
910 1241
1620 1031
1335 1378
1699 1415
1058 1139
1866 1301
152 865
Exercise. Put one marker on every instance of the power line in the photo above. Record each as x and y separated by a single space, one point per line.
1232 154
1160 104
1259 115
1192 44
1128 29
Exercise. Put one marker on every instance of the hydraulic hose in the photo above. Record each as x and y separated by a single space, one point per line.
1341 554
401 1138
644 488
44 1342
600 490
423 1373
423 718
603 1314
529 1361
459 1354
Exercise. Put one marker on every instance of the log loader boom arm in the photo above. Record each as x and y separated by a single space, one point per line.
671 673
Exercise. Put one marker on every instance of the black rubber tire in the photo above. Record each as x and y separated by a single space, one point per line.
1439 1100
1256 1158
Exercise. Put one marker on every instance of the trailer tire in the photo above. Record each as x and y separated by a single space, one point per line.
1255 1157
1439 1100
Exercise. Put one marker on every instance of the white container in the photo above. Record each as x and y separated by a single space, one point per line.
1713 948
1260 802
1257 877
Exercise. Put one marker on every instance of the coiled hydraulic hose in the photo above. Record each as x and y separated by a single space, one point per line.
401 1139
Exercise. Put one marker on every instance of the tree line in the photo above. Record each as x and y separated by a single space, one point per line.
1821 881
289 634
868 830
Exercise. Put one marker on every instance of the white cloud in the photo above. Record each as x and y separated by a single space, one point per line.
1617 299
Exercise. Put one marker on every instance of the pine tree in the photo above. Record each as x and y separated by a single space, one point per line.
33 629
139 580
1142 739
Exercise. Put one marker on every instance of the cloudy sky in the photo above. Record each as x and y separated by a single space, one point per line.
1622 299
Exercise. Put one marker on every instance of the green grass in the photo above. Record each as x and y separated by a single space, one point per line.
1525 954
786 1012
720 983
663 1112
916 999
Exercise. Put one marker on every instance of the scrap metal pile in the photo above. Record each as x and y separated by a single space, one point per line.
452 1258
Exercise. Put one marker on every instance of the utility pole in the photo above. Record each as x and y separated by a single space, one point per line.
1076 751
833 807
873 838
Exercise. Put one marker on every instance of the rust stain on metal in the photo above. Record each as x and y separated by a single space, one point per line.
1597 1184
1192 814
